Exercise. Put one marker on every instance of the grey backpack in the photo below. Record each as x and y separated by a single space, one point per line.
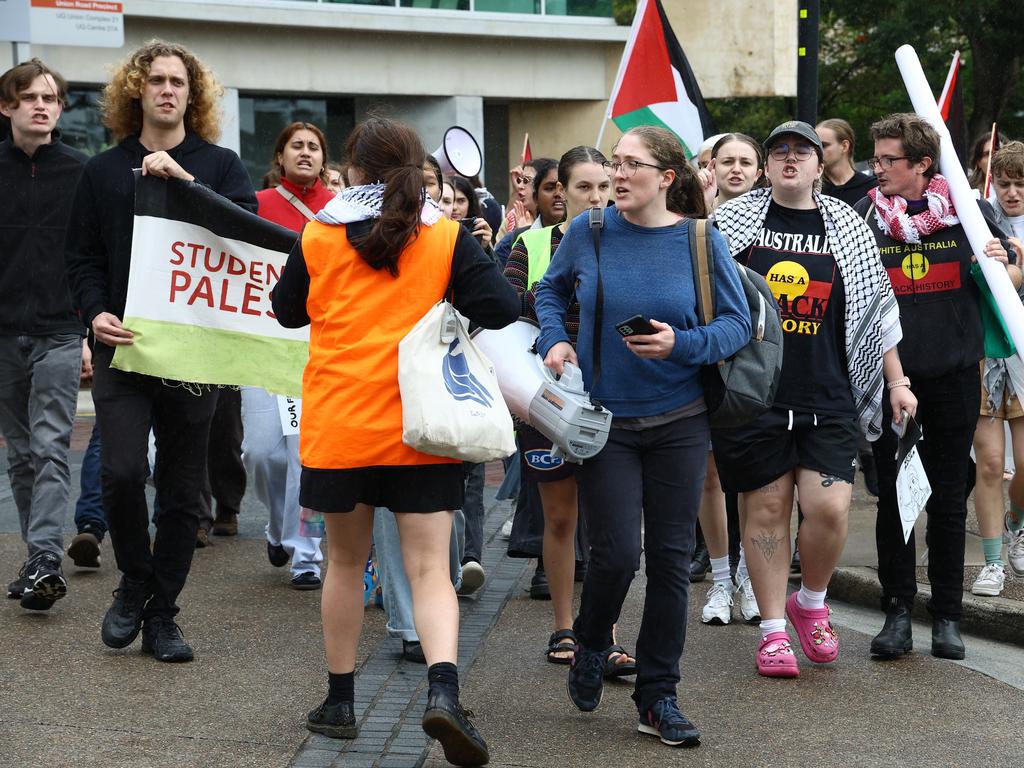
738 389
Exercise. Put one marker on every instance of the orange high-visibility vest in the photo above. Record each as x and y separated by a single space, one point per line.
351 405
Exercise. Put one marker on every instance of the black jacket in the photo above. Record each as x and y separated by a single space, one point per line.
36 194
99 240
852 191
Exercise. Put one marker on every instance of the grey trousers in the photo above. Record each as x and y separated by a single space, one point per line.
39 378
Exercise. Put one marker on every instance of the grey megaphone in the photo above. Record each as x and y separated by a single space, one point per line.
459 154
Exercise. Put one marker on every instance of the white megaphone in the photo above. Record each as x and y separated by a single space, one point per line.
459 154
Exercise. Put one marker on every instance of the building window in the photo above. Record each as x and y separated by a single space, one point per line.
262 118
81 124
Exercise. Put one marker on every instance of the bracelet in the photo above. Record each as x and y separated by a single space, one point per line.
901 382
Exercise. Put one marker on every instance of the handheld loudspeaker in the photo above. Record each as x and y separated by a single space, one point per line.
459 154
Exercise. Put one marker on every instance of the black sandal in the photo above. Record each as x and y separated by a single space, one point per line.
557 644
613 668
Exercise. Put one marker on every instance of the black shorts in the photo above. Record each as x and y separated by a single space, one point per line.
423 488
781 440
539 465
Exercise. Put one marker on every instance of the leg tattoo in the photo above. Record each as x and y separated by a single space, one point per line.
828 480
767 544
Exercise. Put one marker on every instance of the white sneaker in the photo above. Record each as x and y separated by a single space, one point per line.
506 529
1015 553
718 609
748 603
989 581
473 577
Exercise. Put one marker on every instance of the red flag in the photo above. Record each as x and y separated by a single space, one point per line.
951 106
526 155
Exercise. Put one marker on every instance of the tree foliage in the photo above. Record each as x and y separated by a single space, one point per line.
858 78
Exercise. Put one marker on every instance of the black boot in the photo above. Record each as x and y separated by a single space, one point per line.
162 638
123 619
701 562
946 640
896 638
446 721
336 721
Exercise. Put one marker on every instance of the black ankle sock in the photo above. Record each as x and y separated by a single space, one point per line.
444 675
341 687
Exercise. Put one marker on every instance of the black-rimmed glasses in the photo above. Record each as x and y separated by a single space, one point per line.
884 162
781 151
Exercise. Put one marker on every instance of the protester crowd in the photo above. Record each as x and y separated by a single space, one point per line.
883 324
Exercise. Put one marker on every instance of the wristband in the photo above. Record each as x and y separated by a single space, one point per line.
901 382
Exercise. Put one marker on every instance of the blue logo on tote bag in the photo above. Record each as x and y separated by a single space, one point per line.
460 381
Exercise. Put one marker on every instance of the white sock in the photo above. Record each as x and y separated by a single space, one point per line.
772 625
809 599
720 570
741 568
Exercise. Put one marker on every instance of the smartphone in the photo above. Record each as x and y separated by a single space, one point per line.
636 326
900 428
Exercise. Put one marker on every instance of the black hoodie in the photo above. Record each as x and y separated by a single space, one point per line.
99 238
36 193
852 191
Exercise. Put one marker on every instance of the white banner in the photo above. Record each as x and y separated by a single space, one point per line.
87 23
194 278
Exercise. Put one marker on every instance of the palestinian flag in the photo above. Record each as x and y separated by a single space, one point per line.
655 85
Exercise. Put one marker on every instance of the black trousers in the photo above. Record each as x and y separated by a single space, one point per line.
654 477
947 411
225 472
127 404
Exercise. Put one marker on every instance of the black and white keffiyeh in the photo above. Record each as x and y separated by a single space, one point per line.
872 316
363 202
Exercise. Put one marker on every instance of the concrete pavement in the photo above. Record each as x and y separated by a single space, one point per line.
66 700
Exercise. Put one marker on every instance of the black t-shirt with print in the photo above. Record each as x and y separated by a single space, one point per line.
793 255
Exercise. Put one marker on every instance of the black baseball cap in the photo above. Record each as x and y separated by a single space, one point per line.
800 128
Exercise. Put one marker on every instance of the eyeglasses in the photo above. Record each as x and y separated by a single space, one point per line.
524 179
884 162
627 167
781 151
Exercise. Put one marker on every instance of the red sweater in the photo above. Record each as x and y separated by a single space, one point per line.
275 208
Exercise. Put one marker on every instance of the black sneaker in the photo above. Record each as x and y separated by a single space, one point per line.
446 721
18 587
539 588
277 555
45 582
123 619
586 679
162 638
306 580
665 721
336 721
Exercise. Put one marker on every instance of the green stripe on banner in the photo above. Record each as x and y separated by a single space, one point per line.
646 116
209 356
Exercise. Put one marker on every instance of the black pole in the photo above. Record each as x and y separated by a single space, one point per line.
807 61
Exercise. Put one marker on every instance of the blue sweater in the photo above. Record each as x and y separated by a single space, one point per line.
645 271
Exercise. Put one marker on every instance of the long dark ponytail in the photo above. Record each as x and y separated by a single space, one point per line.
389 151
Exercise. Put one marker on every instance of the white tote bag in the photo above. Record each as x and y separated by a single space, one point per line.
451 404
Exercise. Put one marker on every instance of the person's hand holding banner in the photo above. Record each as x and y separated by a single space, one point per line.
108 329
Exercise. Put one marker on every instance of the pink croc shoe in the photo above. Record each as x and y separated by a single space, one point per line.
819 641
775 657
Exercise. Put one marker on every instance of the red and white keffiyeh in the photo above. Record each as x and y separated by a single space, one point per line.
892 218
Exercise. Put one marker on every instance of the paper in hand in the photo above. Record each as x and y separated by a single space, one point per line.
912 486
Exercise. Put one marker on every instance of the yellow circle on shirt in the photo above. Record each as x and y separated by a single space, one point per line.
915 266
787 278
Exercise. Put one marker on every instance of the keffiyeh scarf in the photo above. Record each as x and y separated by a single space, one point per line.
892 218
364 202
872 318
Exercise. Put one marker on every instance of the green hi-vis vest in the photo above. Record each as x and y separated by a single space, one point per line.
538 251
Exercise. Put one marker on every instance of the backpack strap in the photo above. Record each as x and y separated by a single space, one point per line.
297 204
703 269
596 225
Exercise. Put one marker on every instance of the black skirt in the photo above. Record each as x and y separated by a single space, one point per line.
421 488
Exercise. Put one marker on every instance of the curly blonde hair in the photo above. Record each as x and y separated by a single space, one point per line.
121 102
